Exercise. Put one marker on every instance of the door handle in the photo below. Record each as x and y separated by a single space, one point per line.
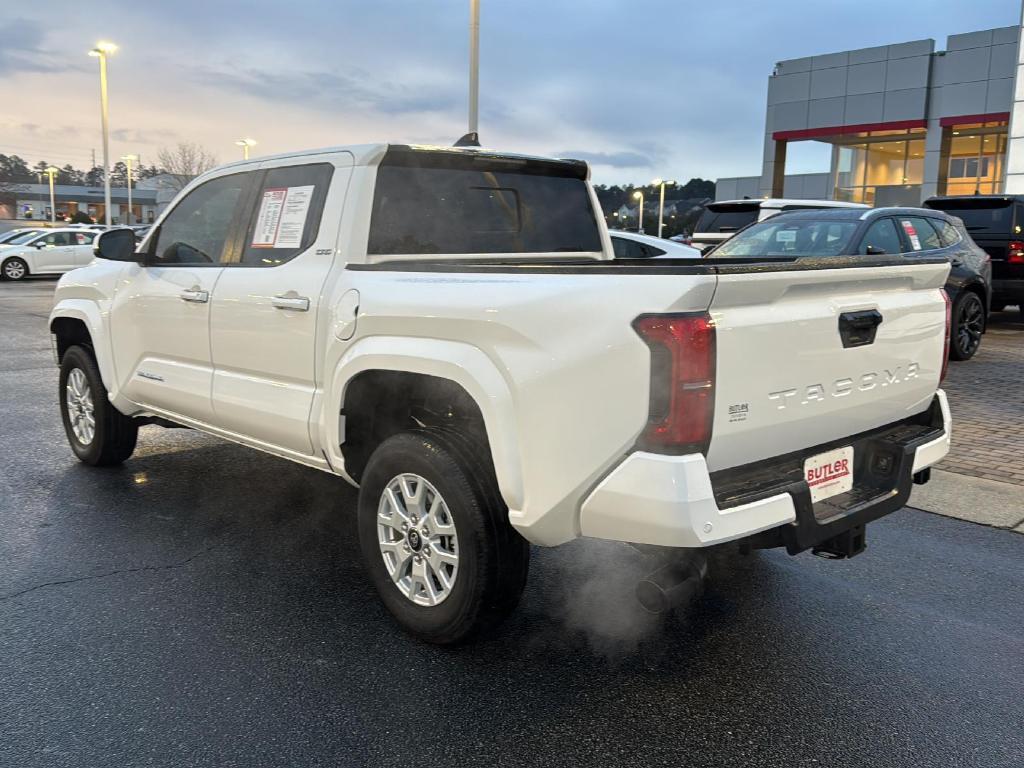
293 302
195 295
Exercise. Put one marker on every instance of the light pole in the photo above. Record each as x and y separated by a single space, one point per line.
129 159
102 50
53 205
474 65
640 218
661 202
245 144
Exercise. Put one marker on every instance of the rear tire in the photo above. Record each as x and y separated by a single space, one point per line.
968 323
14 269
470 522
99 434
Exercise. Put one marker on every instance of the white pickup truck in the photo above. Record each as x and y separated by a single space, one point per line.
447 329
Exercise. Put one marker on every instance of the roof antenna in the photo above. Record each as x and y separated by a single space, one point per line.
471 139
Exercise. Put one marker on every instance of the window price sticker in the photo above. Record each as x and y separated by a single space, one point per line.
282 217
915 241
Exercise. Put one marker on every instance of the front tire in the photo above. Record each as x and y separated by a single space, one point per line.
435 537
14 269
98 433
968 325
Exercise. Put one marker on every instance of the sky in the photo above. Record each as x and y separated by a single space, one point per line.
670 89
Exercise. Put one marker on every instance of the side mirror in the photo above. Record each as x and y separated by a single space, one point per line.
116 245
39 244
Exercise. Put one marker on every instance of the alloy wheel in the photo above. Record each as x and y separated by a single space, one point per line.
81 410
14 269
417 539
970 325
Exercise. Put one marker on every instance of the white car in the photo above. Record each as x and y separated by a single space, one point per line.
632 245
722 219
46 252
448 329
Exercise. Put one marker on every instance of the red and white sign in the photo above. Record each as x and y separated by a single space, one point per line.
830 473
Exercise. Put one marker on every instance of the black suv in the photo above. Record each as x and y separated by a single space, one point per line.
909 231
996 223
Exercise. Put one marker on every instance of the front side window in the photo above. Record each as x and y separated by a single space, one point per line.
286 219
196 231
920 234
796 238
880 238
448 203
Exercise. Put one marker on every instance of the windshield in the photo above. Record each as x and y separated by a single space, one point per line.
727 219
801 237
23 238
995 216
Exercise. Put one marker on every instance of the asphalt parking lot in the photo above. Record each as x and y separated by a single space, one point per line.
204 604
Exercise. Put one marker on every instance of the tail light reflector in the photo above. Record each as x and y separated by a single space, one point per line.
1015 252
682 400
945 346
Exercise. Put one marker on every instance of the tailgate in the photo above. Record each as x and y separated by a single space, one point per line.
785 381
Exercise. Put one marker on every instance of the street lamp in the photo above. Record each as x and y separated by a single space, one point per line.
53 205
129 159
640 219
245 144
474 65
661 202
101 51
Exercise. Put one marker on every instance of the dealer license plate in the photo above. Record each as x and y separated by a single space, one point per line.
830 473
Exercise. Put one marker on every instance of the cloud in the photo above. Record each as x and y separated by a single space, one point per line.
21 51
611 159
145 136
350 90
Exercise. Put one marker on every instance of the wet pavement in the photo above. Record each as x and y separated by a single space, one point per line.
204 604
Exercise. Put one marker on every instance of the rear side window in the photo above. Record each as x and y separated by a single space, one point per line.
729 219
948 234
441 203
287 212
920 233
881 237
626 248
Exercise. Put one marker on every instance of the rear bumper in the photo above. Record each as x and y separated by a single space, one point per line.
674 501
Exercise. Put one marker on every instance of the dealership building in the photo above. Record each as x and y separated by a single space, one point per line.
904 122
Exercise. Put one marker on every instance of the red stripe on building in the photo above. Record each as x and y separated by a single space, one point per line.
991 117
835 130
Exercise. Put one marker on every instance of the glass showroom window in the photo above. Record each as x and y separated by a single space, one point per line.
976 158
872 161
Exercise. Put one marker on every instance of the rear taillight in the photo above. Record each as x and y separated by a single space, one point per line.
682 382
1015 252
945 346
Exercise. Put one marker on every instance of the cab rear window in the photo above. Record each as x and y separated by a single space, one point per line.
453 203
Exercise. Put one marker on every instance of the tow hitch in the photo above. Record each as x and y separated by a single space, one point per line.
845 545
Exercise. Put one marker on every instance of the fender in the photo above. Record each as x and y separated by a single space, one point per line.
461 363
90 313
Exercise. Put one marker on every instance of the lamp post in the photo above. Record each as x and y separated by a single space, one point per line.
640 218
101 51
129 159
245 144
474 65
661 202
53 205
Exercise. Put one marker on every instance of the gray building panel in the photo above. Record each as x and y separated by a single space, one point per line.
791 66
967 66
866 55
823 113
1005 35
913 48
908 104
1003 61
960 99
911 72
830 60
866 78
791 116
864 108
969 40
826 83
786 88
1000 94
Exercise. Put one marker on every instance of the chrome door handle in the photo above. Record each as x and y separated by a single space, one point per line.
294 303
195 295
